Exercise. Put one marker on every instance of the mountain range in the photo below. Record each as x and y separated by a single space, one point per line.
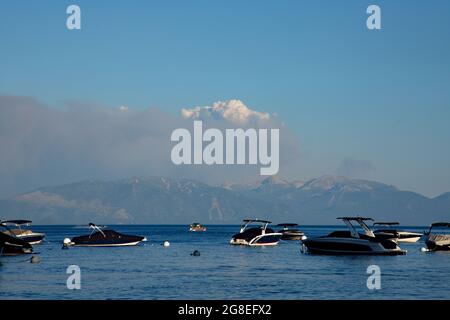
161 200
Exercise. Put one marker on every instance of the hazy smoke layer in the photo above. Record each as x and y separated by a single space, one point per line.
40 145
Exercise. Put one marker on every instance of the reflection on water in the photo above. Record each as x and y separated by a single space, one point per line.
221 271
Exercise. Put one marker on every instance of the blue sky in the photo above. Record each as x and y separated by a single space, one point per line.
381 97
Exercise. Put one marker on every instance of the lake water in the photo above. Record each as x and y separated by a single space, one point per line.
222 271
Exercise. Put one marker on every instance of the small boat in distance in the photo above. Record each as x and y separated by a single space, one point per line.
103 238
436 241
291 232
196 227
11 246
352 242
256 236
385 228
15 229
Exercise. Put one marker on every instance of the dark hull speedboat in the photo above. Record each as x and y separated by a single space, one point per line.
256 236
196 227
11 246
15 228
352 242
399 235
104 238
342 243
290 232
437 242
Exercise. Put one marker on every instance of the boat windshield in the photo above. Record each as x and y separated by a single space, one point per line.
248 222
4 226
385 224
355 224
15 223
95 229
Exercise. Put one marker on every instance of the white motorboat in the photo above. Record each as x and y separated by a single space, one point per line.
256 236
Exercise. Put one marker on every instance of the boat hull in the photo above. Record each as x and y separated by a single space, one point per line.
292 238
129 244
26 235
410 239
293 235
438 242
35 238
12 250
106 238
400 236
12 246
433 247
197 229
269 239
339 246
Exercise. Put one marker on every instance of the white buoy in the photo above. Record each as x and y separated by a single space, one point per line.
166 243
66 243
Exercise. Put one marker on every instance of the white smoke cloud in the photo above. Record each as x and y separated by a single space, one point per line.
234 111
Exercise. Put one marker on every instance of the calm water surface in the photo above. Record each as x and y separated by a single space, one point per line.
152 271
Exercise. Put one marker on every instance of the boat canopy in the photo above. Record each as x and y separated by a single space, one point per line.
287 224
256 220
386 223
437 225
264 223
355 218
16 222
441 224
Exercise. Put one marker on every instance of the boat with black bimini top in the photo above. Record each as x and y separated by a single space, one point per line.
437 241
15 228
353 242
290 231
11 245
256 236
387 228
